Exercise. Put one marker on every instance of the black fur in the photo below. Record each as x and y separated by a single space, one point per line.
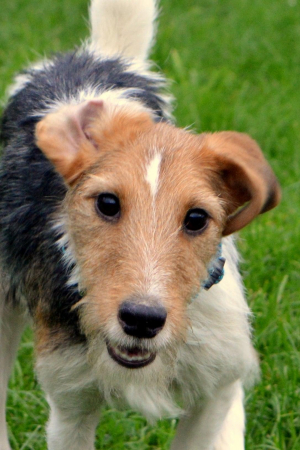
30 189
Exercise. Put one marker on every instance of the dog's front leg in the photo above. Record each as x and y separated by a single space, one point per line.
73 398
217 425
72 429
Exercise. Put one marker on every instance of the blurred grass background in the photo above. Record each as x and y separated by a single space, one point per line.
235 64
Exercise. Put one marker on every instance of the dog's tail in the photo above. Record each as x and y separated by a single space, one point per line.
122 27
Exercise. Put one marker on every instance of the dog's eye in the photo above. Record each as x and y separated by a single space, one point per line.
108 206
195 221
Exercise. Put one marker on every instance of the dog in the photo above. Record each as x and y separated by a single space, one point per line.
116 243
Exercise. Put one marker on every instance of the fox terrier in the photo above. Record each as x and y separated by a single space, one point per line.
114 229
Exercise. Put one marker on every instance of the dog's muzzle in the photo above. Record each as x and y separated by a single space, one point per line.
142 322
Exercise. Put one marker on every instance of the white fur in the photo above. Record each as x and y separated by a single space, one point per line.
152 173
122 27
232 431
19 83
22 79
73 397
67 430
199 429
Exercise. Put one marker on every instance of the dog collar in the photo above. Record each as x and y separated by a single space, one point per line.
216 270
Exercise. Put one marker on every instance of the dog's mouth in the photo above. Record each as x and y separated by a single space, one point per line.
131 358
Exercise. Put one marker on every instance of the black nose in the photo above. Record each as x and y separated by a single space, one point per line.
140 320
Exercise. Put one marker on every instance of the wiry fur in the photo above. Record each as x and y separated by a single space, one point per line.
104 127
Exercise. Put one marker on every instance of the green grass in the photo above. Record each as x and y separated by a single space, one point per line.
235 65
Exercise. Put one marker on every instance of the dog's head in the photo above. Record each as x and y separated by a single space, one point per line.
147 206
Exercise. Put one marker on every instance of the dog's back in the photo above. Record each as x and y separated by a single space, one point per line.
111 221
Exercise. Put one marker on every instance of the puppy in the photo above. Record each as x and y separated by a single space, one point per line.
114 229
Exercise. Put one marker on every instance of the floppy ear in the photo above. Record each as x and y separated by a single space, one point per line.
248 184
64 138
73 136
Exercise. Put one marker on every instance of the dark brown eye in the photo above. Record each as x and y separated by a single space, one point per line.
195 221
108 206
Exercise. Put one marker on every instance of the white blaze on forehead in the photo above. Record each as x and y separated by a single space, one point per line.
152 173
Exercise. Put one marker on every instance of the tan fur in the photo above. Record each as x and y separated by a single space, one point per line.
47 338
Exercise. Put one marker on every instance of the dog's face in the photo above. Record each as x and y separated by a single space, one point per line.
147 206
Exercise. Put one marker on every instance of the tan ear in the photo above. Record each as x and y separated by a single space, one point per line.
64 138
249 186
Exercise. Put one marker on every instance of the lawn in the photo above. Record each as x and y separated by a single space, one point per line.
235 64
